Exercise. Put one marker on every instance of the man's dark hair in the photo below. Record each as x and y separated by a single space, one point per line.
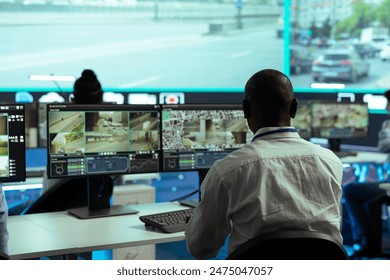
271 92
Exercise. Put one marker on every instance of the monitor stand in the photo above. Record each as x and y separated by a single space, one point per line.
99 194
334 146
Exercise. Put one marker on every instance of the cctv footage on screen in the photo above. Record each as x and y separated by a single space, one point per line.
195 136
104 139
12 143
340 120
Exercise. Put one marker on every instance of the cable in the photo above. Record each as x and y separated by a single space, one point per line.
185 196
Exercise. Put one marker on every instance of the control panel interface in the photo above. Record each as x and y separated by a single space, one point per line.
195 136
339 120
12 143
102 139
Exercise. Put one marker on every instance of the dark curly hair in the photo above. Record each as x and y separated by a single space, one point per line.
87 89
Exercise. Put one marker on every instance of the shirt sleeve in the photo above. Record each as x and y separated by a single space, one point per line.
384 137
210 223
3 223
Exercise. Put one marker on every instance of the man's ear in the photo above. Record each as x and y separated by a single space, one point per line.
293 108
246 108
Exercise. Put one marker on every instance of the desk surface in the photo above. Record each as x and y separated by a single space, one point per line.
59 233
28 240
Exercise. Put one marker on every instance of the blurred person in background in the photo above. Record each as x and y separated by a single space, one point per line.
363 202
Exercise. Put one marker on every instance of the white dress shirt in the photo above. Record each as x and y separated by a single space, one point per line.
279 181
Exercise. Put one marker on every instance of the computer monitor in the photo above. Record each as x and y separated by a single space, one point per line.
93 141
336 121
302 120
12 143
195 136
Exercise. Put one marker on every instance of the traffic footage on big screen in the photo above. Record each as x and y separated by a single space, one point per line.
345 42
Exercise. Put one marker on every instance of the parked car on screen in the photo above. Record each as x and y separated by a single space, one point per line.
301 59
385 52
365 50
339 64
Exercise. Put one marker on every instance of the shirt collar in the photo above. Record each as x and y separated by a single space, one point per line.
266 130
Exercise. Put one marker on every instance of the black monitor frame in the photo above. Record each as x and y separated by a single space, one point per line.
13 143
110 125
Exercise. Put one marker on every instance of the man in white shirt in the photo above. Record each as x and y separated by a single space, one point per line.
279 181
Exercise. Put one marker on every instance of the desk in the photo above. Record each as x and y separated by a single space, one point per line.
28 240
60 233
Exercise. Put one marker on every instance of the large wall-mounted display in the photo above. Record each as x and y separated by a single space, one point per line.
338 44
195 44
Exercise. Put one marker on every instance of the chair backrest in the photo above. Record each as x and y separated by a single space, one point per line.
290 245
71 194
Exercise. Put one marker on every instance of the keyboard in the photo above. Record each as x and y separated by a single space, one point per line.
168 222
343 154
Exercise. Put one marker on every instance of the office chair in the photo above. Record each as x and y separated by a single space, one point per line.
70 194
290 245
4 256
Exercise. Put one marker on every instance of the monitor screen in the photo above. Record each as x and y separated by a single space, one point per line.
12 143
102 139
195 136
334 120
